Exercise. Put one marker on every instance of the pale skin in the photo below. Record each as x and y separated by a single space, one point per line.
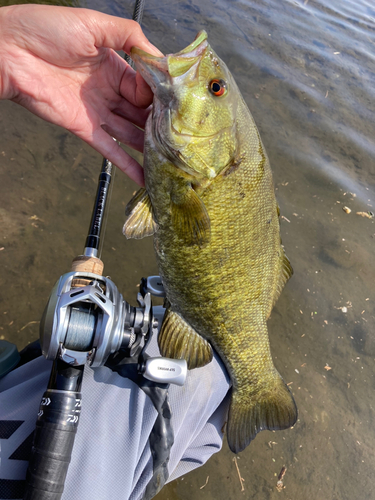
60 63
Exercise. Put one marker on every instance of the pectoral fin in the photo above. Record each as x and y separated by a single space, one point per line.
140 221
190 219
178 340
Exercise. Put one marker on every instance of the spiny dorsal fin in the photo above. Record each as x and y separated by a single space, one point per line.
190 219
272 408
140 221
178 340
285 272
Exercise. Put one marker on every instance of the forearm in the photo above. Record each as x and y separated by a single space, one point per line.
6 80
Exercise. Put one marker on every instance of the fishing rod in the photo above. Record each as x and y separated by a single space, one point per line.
105 177
85 321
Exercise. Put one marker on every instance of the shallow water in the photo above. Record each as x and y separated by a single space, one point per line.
306 70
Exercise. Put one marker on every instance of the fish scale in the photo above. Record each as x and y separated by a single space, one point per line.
210 204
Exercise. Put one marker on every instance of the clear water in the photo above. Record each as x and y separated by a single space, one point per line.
306 70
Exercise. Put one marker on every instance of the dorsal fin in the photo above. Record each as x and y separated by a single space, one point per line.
140 221
178 340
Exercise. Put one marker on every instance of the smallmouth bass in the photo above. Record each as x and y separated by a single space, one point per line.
209 202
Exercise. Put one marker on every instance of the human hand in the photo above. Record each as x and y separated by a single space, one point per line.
60 63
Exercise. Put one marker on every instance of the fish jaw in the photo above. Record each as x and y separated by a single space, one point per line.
154 71
162 73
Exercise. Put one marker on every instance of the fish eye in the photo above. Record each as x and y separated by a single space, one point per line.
217 87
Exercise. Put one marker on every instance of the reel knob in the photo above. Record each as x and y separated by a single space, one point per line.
165 370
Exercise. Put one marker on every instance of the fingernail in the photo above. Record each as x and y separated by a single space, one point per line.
154 50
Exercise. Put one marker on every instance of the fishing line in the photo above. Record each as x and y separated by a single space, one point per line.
137 16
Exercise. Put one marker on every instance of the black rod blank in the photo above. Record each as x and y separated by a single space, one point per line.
97 218
55 431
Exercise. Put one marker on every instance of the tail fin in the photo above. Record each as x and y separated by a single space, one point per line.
272 408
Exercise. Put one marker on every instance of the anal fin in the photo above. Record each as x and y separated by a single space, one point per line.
285 273
178 340
140 221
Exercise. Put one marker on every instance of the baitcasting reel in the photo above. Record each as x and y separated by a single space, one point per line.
86 320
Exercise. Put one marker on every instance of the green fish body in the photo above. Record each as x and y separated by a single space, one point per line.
209 202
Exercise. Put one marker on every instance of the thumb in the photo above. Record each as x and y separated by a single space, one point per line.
116 33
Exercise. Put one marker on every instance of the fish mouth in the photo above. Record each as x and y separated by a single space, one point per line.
158 72
194 135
